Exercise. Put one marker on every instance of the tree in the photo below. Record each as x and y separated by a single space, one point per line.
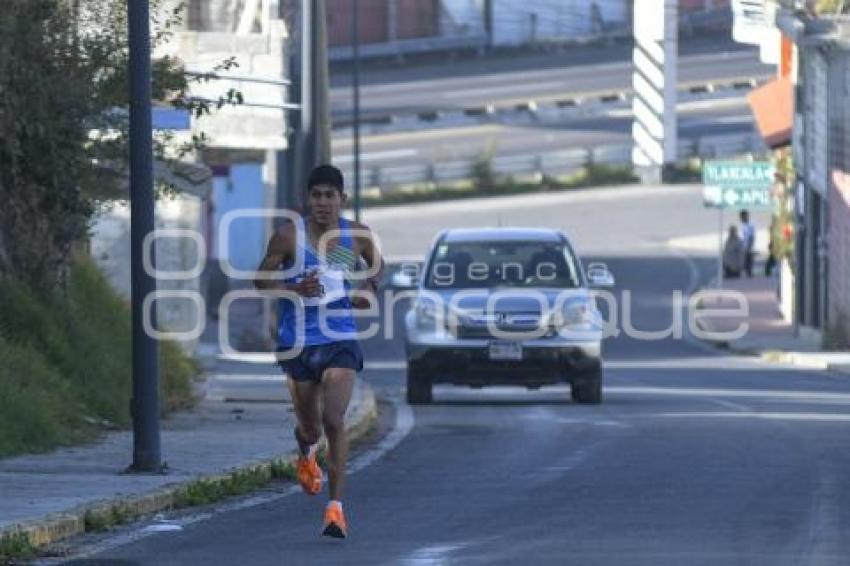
63 123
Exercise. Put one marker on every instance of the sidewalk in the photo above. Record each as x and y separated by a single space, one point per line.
244 423
770 336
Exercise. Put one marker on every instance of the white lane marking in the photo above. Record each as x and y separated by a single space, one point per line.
766 394
690 363
436 554
404 423
377 155
795 417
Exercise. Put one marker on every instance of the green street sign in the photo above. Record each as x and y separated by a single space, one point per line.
738 184
738 174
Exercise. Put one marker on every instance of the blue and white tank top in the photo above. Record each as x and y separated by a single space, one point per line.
334 269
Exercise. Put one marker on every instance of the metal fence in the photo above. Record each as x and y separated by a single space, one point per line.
388 179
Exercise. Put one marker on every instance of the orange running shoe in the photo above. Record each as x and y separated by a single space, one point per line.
309 474
335 522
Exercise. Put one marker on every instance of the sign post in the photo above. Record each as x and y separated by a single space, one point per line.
736 185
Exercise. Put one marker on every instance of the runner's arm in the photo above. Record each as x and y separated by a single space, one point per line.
277 252
370 252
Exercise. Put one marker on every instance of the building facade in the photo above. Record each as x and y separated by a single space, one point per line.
822 160
400 27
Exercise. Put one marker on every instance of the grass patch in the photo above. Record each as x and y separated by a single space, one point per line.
16 546
65 364
283 470
687 172
207 491
96 522
486 184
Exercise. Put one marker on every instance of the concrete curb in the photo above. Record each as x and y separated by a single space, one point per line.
792 359
56 527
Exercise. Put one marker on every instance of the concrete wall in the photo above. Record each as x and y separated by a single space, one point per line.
514 23
373 21
250 32
110 249
518 23
417 18
383 20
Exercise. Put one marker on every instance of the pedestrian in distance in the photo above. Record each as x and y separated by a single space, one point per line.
733 254
770 262
748 235
316 335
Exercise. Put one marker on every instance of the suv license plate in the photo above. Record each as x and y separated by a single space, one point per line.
505 351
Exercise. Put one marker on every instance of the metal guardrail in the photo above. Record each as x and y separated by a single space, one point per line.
388 179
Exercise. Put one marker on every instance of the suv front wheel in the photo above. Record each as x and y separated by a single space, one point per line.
588 391
419 388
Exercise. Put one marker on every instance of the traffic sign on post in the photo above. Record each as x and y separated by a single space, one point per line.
741 185
738 184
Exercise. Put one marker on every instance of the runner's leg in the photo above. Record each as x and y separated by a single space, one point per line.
306 396
337 385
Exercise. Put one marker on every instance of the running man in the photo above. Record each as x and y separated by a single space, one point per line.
321 375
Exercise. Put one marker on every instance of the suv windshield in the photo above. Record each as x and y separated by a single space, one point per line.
474 265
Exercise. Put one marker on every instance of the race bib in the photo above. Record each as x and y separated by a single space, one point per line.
331 285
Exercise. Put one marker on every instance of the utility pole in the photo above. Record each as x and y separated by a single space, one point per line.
355 85
305 150
314 135
488 23
321 85
655 83
145 402
289 196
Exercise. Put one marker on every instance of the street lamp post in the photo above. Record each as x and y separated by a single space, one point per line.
355 82
145 402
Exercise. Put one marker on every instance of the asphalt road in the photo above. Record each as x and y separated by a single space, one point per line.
511 80
556 77
693 458
723 116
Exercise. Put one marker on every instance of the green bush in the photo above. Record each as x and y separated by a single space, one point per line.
38 409
65 363
177 372
484 185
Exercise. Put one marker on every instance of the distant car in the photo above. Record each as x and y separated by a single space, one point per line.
504 306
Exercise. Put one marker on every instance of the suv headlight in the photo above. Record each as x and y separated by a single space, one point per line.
426 313
575 316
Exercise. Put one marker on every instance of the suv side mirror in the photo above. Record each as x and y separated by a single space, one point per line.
407 277
403 280
599 277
